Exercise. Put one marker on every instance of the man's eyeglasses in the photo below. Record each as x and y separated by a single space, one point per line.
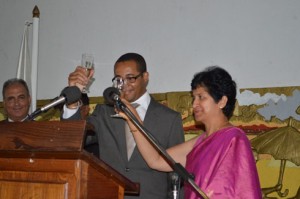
129 79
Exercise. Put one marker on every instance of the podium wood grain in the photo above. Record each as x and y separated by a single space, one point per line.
46 160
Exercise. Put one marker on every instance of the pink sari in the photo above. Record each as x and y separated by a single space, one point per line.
223 166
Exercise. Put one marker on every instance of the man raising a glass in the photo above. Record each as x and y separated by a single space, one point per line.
111 132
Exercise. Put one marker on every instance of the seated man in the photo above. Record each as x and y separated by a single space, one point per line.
16 100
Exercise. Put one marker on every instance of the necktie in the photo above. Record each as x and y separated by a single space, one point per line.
130 142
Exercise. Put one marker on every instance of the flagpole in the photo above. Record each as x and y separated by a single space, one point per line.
34 58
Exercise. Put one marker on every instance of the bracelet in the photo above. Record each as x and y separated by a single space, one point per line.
132 131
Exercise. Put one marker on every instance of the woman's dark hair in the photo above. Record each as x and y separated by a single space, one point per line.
218 83
139 60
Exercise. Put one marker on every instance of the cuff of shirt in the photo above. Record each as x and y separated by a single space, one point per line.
69 112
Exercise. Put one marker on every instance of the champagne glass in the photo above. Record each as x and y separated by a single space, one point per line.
87 61
118 83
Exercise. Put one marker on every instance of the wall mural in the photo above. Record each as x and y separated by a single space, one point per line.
257 110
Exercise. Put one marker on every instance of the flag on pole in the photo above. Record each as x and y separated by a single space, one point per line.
27 68
24 64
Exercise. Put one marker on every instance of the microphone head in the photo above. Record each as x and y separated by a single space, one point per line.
109 95
71 93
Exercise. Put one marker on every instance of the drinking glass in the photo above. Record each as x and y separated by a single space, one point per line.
87 61
118 83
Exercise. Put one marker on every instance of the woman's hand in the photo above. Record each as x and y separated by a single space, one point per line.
130 107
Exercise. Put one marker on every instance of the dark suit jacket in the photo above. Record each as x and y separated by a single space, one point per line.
163 123
6 120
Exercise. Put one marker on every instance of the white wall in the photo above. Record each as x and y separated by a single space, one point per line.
257 41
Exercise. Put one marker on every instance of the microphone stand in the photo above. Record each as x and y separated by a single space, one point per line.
177 167
175 185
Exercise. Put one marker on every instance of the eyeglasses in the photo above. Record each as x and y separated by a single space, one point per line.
117 80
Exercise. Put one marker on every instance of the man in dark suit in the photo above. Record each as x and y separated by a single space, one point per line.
16 100
164 123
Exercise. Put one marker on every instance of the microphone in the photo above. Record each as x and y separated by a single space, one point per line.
69 95
111 95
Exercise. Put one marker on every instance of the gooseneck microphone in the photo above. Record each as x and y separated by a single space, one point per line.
111 95
68 95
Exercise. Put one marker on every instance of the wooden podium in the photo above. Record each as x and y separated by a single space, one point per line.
46 160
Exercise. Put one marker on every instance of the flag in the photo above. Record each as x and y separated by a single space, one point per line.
27 68
24 63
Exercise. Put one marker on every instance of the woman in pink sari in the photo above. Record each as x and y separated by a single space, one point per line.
221 159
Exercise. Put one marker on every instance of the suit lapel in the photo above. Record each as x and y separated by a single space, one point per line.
117 126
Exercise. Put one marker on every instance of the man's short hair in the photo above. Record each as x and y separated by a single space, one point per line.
137 58
14 81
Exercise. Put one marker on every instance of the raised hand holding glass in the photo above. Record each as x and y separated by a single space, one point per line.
87 61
